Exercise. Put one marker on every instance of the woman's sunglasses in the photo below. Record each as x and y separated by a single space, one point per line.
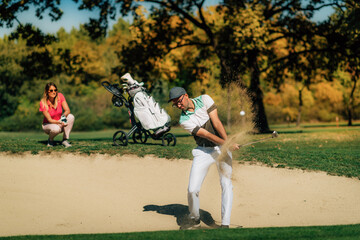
52 90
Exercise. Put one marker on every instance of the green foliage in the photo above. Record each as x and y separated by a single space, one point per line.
323 103
116 117
34 37
75 63
11 77
200 51
26 117
86 119
120 29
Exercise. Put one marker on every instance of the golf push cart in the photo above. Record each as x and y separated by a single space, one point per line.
137 132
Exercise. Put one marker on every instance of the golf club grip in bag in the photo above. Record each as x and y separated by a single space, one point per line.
149 113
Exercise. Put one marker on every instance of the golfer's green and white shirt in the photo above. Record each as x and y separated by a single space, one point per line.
193 121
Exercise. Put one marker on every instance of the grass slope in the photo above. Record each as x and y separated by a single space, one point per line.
330 149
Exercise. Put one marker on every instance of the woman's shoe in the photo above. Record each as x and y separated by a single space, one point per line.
66 143
50 143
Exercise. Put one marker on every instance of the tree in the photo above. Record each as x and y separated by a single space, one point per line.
343 43
304 69
241 36
351 60
11 76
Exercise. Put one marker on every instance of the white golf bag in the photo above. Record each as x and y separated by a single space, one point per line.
146 109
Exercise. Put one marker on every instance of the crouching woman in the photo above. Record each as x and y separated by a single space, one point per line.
57 116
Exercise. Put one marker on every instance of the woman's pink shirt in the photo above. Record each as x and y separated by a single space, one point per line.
54 113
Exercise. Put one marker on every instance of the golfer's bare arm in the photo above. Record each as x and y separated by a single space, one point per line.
218 127
49 118
66 108
217 124
202 132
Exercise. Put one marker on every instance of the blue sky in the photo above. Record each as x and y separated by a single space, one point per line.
72 17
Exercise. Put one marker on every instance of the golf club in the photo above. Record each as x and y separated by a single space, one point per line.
273 135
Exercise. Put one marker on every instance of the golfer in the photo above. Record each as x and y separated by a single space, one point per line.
55 120
200 118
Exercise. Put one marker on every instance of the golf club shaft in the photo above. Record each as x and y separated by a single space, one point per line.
260 140
273 135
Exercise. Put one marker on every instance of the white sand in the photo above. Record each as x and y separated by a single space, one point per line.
49 194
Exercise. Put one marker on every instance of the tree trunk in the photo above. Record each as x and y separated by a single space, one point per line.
300 107
230 74
226 78
256 95
228 106
349 116
351 101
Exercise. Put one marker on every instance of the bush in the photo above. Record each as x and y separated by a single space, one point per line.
22 122
87 120
26 118
326 116
275 114
116 118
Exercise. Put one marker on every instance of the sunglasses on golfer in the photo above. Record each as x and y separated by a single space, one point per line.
53 90
175 104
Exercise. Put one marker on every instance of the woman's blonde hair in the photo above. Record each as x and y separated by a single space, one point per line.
45 97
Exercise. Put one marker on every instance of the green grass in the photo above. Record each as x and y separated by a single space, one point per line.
338 126
345 232
95 142
336 153
327 148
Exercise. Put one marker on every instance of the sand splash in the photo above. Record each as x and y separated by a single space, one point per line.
242 127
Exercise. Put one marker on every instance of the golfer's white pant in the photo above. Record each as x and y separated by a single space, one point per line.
54 129
204 157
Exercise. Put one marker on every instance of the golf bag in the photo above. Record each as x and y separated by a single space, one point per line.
146 109
150 121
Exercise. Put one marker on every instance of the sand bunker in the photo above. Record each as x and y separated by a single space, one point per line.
49 194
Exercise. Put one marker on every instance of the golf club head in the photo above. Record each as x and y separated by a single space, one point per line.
274 134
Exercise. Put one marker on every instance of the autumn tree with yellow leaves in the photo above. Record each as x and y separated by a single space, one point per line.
256 44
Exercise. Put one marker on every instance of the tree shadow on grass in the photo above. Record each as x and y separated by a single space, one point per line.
130 143
181 213
45 142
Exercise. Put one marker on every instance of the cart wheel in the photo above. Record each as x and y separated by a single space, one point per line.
120 138
140 136
168 139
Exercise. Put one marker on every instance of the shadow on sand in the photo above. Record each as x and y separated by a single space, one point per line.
181 213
